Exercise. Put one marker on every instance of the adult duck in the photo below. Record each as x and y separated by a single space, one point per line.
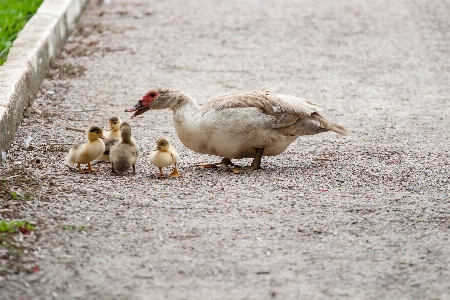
239 125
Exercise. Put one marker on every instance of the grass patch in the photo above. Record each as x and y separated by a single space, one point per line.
11 250
16 226
14 14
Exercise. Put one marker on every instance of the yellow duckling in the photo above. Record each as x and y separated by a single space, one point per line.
164 156
85 153
125 153
114 126
113 137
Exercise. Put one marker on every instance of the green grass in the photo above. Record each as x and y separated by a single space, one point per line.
15 226
14 14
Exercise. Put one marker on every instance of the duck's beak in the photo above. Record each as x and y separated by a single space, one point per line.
103 137
138 108
158 148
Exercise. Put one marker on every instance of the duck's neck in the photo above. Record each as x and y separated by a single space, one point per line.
187 120
184 102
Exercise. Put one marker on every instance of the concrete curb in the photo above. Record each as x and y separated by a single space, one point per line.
29 58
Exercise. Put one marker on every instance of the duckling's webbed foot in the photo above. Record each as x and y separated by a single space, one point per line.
256 164
79 169
89 169
175 173
161 175
224 162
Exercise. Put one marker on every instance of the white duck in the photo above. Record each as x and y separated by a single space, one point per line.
239 125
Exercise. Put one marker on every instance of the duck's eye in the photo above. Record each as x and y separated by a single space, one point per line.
97 132
152 95
115 122
163 144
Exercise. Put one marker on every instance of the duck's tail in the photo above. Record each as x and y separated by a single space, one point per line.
329 125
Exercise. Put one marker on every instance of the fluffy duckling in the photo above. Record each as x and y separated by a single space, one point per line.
85 153
114 126
113 136
164 156
124 154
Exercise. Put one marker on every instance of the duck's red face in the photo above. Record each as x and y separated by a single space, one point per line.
144 104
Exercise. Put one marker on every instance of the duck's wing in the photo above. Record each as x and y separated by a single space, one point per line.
284 109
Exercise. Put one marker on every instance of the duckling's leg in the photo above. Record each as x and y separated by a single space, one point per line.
256 164
175 172
79 169
89 169
161 173
225 161
134 169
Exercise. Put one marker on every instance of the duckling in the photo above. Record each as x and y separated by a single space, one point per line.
85 153
125 153
164 155
114 126
113 137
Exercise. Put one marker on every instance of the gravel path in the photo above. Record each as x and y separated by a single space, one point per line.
370 220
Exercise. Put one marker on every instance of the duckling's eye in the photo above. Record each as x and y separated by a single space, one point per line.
152 95
97 132
163 143
115 122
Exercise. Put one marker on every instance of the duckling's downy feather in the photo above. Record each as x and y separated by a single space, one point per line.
86 152
124 156
125 153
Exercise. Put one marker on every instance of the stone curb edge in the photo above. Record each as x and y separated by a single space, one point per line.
29 58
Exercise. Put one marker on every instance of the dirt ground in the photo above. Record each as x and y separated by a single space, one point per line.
371 220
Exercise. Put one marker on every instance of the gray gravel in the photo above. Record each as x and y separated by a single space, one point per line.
370 220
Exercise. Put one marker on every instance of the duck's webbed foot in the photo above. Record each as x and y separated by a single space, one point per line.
224 162
256 164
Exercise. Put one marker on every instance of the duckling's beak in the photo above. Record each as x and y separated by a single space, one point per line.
103 137
158 148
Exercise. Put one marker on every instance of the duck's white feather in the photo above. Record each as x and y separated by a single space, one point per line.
235 125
